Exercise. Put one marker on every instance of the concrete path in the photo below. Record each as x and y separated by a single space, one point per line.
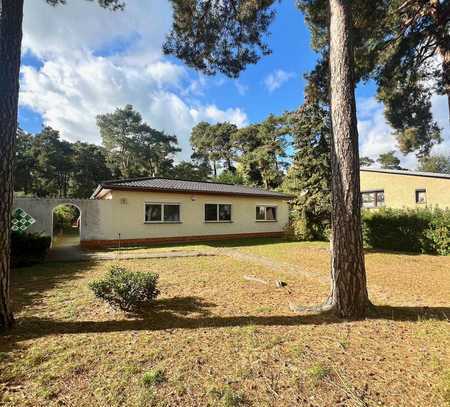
74 254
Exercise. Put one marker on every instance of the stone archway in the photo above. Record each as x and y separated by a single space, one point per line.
95 221
66 225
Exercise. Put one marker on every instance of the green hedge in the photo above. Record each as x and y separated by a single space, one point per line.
28 248
409 230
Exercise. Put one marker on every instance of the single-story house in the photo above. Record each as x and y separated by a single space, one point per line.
404 189
156 210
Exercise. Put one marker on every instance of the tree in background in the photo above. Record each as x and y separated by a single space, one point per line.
11 16
417 34
229 177
89 169
202 146
226 37
53 164
261 151
389 161
395 43
435 163
366 161
134 148
309 177
47 166
25 163
190 171
213 143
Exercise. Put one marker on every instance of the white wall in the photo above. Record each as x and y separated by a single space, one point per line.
96 216
128 218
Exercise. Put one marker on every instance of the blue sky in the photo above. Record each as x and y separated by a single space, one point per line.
79 61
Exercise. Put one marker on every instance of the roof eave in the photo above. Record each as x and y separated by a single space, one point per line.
192 191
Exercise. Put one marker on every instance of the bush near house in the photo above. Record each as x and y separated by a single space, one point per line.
409 230
28 248
125 289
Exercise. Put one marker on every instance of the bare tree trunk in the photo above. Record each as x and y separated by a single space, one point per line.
445 53
11 12
442 36
349 297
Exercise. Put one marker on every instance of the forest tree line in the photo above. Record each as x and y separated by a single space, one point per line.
289 152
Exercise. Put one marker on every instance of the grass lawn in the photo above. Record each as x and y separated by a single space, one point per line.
216 339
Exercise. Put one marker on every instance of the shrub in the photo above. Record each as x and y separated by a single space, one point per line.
304 227
438 233
125 289
409 230
28 248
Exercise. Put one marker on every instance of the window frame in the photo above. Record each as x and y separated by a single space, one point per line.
265 213
416 195
376 201
218 212
163 204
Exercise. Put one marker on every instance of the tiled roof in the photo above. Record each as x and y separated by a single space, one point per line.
406 172
176 185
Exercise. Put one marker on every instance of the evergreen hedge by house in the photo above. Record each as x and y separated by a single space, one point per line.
409 230
28 248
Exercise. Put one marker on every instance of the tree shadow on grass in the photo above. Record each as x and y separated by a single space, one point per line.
31 283
170 314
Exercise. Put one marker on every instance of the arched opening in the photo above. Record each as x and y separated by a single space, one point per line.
66 225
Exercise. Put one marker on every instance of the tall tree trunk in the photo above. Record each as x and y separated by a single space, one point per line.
348 296
11 12
445 54
442 37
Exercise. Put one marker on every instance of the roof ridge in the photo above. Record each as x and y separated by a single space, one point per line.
174 179
407 172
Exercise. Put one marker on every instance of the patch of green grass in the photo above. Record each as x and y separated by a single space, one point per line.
344 343
318 372
153 377
3 356
228 397
264 310
131 369
37 357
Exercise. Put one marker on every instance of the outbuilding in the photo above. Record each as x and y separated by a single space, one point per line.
158 210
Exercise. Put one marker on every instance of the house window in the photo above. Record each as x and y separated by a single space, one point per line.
421 196
266 213
162 213
217 212
372 199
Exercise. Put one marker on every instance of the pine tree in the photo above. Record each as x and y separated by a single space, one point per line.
226 36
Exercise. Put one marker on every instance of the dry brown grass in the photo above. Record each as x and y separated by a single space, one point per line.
214 338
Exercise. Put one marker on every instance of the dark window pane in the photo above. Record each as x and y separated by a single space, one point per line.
421 196
260 213
152 213
171 213
368 199
224 212
210 212
271 213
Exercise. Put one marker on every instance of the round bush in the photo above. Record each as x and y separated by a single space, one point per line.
125 289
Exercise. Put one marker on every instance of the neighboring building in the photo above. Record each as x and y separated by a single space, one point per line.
404 189
152 210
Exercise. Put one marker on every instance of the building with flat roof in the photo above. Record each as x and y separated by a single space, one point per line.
404 189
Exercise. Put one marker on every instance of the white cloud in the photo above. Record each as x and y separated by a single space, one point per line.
376 135
95 60
276 79
240 87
